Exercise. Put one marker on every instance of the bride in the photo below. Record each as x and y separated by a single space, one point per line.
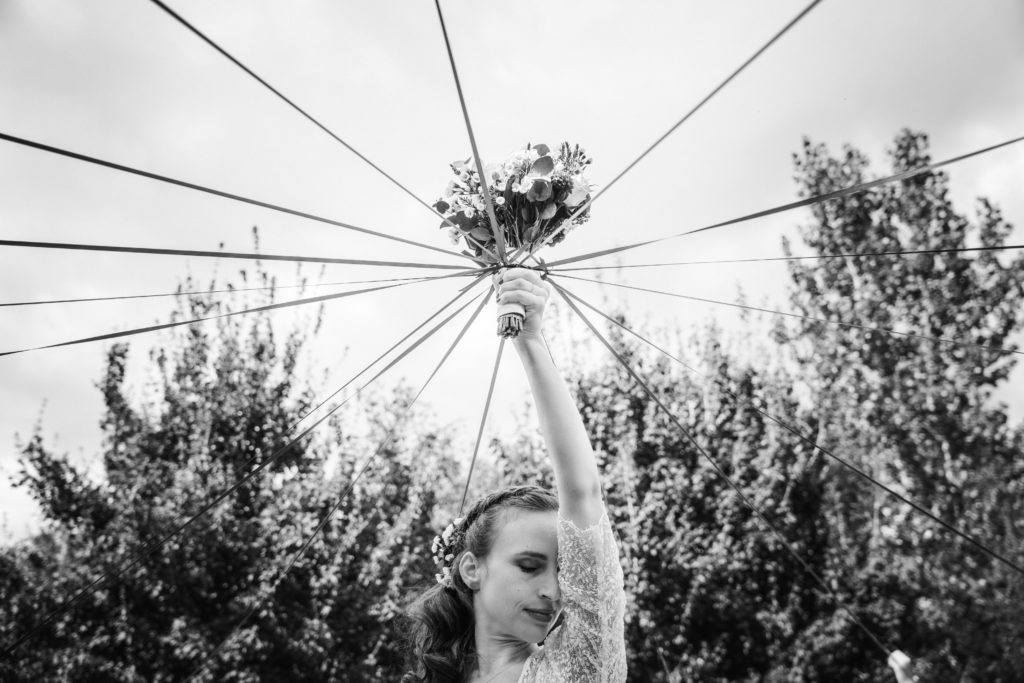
529 586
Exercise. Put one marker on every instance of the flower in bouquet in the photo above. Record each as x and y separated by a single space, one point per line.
535 193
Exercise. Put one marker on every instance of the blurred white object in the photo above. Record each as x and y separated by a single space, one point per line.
900 664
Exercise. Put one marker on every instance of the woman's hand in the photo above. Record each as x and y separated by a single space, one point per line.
524 287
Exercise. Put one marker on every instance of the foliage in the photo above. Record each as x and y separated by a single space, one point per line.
713 594
223 402
918 413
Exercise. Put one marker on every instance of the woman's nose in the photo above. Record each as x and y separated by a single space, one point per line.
550 590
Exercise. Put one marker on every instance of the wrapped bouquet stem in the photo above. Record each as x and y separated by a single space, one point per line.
510 320
535 192
510 316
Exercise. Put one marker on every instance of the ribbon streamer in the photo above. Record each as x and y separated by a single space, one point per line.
499 237
483 421
824 321
164 326
750 60
219 193
824 257
718 470
398 343
812 443
195 292
817 199
223 254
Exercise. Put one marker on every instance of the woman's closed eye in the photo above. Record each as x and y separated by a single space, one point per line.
529 568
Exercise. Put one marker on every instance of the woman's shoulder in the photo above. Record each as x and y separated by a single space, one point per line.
588 553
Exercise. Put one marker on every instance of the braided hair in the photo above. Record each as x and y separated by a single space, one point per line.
439 632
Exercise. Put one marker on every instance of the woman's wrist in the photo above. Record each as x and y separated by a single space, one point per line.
529 343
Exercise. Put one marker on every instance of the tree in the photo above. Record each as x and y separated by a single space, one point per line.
224 401
917 413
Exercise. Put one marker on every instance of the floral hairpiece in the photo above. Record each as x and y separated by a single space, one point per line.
444 549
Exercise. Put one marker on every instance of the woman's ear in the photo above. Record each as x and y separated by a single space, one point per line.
471 570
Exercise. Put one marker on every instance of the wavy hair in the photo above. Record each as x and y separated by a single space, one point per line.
439 621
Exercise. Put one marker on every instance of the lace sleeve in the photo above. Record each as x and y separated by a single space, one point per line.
589 644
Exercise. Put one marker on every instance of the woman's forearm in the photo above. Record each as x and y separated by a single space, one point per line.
572 456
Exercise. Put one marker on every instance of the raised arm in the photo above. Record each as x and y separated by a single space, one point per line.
572 456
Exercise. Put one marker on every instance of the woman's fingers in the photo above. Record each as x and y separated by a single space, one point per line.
518 296
516 279
516 274
523 286
523 292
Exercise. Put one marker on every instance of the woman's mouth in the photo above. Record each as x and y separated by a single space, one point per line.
542 616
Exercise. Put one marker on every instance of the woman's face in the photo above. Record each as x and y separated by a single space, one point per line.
518 594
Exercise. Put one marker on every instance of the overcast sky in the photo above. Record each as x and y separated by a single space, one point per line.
120 80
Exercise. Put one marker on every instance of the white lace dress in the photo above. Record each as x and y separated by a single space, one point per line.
589 645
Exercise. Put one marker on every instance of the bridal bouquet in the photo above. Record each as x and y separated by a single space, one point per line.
534 193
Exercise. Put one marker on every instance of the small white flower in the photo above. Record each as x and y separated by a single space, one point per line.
469 211
449 557
527 182
499 200
580 190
